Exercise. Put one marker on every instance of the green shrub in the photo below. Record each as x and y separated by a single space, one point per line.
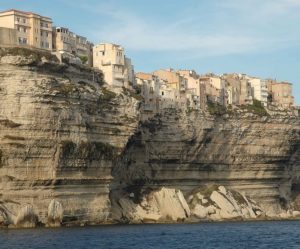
132 94
107 95
36 54
215 108
256 108
88 150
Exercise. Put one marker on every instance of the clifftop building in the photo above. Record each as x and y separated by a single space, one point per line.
111 59
32 30
70 44
281 93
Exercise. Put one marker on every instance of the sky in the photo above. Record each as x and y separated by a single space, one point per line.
257 37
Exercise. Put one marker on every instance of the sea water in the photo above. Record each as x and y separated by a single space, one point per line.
223 235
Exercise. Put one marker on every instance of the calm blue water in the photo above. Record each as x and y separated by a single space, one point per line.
206 235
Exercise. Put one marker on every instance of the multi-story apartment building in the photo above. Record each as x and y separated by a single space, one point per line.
176 81
196 90
110 58
282 94
32 30
71 45
259 89
157 93
238 89
214 88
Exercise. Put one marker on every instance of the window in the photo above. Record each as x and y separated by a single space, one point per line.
24 20
103 53
42 44
46 25
22 40
41 33
25 30
18 19
47 34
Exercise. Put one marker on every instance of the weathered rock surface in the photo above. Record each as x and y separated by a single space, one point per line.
72 152
256 156
157 206
60 132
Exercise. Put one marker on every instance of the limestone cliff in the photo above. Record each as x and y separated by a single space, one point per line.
60 132
73 152
257 156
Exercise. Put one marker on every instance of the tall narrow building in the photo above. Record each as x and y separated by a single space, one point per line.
111 59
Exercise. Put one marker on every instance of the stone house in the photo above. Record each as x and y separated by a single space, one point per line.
282 94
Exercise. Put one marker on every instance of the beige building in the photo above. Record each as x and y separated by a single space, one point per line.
238 89
8 37
212 92
282 94
32 30
150 87
72 46
196 90
175 81
157 94
110 58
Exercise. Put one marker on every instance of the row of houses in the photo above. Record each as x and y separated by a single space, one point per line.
161 89
186 89
20 28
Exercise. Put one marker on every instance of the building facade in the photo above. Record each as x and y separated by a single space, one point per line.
196 90
32 30
282 94
110 58
71 45
174 81
259 89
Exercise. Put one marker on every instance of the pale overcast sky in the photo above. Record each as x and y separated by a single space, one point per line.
257 37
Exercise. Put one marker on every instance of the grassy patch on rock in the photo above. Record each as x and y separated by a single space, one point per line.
256 108
35 54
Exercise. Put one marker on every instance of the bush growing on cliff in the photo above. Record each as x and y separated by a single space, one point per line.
216 108
132 94
107 95
87 150
36 54
257 108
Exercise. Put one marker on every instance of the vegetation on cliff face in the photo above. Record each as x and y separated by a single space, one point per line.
107 95
35 54
133 94
87 150
256 108
216 108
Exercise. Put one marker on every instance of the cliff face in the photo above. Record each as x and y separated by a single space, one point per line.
256 156
60 132
72 151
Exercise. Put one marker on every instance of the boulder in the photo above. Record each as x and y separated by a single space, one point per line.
55 213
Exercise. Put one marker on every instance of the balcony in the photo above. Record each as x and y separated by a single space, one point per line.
119 76
26 24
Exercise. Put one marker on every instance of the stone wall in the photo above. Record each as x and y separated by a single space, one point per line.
8 37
